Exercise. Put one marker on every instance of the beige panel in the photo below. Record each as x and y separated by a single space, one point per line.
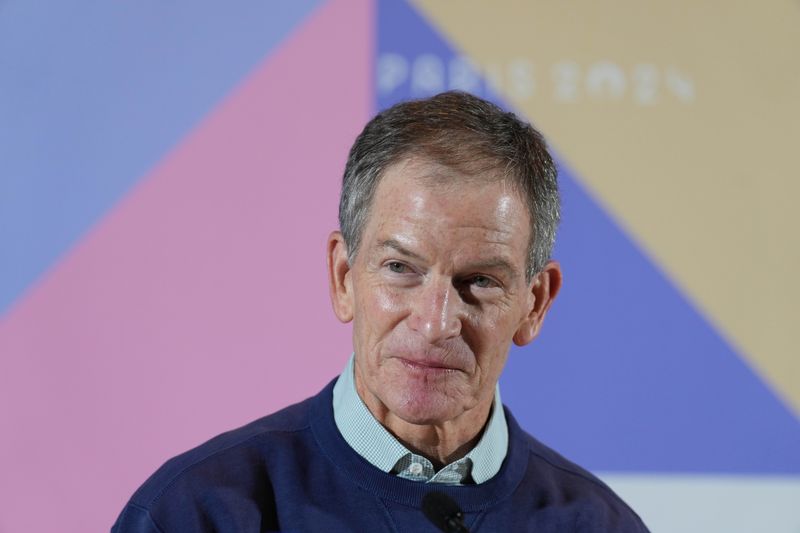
683 118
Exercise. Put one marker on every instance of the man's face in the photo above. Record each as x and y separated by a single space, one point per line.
437 292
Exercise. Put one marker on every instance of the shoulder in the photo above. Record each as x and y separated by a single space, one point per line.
228 448
233 466
560 482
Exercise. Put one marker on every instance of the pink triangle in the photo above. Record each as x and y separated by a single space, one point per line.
200 302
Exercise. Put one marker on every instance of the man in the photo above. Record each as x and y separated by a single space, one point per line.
448 214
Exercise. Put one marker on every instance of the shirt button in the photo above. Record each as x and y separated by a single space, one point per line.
415 468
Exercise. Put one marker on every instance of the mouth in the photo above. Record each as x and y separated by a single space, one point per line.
427 367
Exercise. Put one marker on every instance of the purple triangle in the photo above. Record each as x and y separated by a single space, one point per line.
628 375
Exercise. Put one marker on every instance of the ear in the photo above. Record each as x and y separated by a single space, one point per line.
543 290
339 281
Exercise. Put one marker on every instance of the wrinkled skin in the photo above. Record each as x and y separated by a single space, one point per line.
437 292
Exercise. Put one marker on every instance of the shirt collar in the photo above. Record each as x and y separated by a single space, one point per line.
374 443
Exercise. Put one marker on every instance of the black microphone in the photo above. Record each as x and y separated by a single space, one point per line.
443 512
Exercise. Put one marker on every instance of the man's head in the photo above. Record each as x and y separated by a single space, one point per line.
466 133
434 264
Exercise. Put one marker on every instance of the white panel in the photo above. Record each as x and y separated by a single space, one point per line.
708 504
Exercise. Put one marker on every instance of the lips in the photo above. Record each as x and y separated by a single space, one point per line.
425 365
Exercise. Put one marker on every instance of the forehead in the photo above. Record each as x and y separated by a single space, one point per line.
447 170
416 174
435 202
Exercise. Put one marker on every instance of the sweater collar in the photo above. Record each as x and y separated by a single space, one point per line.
390 487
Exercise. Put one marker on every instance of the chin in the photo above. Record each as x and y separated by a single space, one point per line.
424 407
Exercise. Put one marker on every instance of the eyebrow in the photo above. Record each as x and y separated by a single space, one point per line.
495 263
395 245
488 264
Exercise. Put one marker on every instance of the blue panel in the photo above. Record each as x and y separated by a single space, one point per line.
627 375
414 61
92 94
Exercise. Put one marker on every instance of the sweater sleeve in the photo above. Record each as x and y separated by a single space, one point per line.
135 519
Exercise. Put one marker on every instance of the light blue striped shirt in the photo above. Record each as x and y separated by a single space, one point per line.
375 444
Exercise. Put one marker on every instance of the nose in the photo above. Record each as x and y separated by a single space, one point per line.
437 311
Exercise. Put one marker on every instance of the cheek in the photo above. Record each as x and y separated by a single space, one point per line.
377 311
483 326
489 335
384 300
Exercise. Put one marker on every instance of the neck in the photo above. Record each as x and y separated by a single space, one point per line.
440 446
441 443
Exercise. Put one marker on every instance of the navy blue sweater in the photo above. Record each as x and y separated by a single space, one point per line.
293 471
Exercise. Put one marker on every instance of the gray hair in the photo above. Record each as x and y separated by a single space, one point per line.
463 132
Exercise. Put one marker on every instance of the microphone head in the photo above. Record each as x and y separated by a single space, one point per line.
442 511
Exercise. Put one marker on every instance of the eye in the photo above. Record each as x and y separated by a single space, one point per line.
482 282
397 267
